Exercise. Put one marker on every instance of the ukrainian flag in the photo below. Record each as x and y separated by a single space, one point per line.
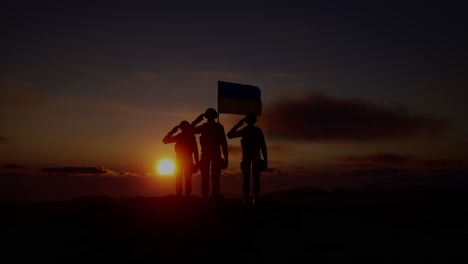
240 99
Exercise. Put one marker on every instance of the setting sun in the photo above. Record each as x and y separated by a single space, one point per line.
166 167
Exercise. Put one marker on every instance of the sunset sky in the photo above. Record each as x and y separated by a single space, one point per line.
346 85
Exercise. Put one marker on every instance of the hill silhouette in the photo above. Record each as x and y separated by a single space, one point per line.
302 224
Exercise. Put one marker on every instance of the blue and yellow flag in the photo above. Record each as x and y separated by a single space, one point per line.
240 99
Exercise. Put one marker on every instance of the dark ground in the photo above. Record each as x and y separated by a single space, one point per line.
415 224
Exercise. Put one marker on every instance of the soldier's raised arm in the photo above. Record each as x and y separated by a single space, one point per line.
169 138
196 130
233 133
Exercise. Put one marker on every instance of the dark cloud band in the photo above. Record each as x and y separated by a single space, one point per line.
87 170
323 117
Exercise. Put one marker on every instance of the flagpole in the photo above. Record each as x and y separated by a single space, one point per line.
217 109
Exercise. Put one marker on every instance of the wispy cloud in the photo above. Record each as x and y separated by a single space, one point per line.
216 75
148 76
262 75
14 166
441 163
276 148
119 108
75 170
407 161
21 94
326 118
296 75
382 157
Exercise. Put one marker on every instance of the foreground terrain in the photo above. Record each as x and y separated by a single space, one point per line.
415 224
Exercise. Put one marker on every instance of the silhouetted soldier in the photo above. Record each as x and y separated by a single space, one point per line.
212 140
252 143
186 155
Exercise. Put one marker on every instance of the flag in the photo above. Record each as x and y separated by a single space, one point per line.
240 99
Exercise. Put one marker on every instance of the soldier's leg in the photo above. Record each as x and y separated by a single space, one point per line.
205 175
245 168
256 171
179 177
188 171
215 176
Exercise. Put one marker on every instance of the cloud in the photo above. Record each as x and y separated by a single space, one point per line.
219 75
14 166
387 158
148 76
109 106
387 177
378 172
276 148
392 159
326 118
26 187
441 163
450 174
3 139
296 75
73 170
21 93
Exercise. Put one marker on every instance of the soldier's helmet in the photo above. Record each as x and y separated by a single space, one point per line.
184 125
250 119
211 113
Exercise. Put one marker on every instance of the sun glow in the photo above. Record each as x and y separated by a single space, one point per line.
166 167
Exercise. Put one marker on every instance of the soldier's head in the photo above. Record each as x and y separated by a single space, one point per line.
211 114
184 125
250 119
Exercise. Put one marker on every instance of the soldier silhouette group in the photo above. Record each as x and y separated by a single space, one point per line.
215 155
